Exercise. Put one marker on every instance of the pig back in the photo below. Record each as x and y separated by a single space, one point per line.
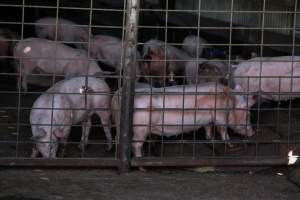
85 95
107 49
270 75
48 56
49 110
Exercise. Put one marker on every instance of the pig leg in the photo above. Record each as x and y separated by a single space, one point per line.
224 133
105 117
221 119
208 132
225 136
24 82
34 153
64 146
86 127
139 137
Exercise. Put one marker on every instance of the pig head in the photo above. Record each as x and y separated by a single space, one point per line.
49 125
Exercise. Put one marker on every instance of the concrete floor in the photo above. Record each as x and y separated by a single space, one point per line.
89 184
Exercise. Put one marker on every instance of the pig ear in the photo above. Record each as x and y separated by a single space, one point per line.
35 138
40 134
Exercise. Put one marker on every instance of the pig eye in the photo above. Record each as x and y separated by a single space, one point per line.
147 59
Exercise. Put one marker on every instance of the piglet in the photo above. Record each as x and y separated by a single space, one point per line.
269 77
45 56
212 103
162 60
67 103
62 30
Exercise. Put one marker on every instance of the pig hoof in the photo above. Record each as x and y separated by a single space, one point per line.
142 169
61 154
34 153
82 146
108 147
230 145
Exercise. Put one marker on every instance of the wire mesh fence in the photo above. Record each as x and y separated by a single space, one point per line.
157 83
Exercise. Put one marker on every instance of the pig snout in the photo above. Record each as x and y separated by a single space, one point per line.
245 130
47 149
147 65
147 59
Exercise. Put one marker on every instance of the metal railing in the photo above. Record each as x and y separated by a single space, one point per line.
165 125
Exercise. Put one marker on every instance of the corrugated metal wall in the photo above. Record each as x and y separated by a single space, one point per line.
275 20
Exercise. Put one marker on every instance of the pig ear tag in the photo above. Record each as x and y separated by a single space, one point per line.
171 76
27 49
85 89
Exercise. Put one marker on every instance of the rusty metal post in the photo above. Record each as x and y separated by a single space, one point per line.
129 63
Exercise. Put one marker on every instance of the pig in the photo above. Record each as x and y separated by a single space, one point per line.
156 63
208 71
190 44
66 103
45 56
275 77
194 111
67 31
108 49
7 42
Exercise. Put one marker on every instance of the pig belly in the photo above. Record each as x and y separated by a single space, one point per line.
174 124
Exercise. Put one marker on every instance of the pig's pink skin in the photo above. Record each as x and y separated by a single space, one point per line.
189 45
149 107
160 61
36 54
72 106
67 31
273 71
108 49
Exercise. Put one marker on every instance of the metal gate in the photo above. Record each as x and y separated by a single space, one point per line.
190 83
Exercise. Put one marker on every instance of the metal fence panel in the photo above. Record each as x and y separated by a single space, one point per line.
189 84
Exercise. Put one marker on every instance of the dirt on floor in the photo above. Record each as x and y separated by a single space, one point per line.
89 184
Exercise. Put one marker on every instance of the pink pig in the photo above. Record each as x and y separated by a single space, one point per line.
108 49
67 103
161 61
45 56
67 31
270 75
191 43
186 112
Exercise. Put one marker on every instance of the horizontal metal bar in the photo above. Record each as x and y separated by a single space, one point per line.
164 27
29 141
185 162
59 162
61 7
229 11
94 26
175 141
155 10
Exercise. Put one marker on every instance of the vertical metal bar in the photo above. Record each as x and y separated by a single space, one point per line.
292 73
20 85
129 61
